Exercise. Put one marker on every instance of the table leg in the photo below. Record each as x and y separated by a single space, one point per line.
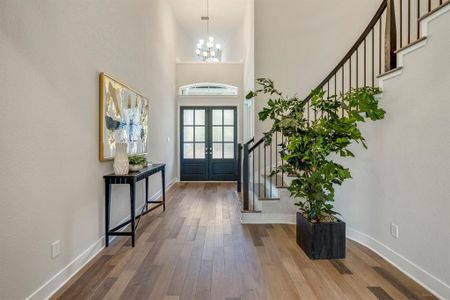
163 175
107 211
133 210
146 194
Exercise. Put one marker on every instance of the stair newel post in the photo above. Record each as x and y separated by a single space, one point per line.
390 41
239 168
245 177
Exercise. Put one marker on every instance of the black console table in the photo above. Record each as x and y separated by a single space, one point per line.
132 178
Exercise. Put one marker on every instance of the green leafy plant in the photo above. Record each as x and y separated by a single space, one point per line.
137 160
310 147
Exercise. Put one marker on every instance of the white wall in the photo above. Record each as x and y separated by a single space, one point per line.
50 176
185 50
241 48
404 176
298 42
248 40
233 48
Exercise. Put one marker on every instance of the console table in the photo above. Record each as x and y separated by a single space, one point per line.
131 179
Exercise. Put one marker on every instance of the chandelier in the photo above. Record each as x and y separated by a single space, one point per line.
208 51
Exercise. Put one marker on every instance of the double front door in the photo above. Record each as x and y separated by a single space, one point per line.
208 143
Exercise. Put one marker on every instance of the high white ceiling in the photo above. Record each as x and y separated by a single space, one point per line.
225 18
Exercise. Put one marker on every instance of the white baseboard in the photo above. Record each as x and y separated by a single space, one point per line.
436 286
65 274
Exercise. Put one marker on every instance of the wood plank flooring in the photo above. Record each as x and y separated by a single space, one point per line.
198 249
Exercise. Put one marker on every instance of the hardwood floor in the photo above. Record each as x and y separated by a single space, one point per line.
198 249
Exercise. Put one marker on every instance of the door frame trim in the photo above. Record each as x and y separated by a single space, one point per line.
178 125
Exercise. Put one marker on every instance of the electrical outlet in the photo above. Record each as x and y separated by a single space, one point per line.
394 230
56 248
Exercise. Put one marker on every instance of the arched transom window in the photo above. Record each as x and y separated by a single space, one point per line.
208 89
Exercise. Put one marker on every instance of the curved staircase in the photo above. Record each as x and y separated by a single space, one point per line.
396 30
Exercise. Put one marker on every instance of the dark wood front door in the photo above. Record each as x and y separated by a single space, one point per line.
208 143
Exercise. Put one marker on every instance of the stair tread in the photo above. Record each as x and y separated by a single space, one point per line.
411 44
389 72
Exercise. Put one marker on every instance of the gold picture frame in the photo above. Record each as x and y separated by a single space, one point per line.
123 115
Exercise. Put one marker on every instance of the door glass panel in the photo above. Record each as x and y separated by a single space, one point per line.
217 117
217 150
228 117
188 117
228 134
199 117
188 150
188 134
199 133
228 150
217 133
200 150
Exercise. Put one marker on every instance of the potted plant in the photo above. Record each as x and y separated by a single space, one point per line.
310 150
137 162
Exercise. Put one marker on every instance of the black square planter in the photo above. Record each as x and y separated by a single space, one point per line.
321 240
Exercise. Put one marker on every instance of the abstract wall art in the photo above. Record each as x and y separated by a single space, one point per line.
123 118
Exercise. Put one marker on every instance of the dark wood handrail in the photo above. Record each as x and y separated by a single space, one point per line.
252 148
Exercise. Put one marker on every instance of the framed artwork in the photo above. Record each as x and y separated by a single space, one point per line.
123 118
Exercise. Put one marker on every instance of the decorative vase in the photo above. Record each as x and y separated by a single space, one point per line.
121 166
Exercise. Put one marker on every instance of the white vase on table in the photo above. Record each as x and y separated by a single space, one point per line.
121 165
